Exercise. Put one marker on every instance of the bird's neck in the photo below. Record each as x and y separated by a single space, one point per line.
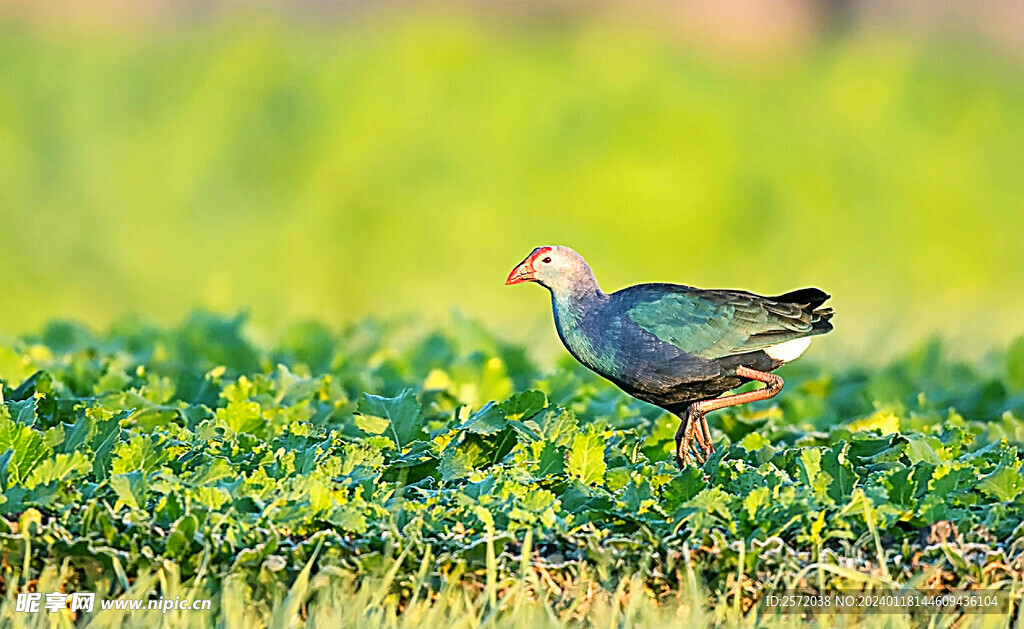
576 301
573 309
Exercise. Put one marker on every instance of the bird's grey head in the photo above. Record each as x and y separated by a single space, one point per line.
559 269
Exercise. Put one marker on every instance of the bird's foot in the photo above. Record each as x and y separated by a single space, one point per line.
682 445
690 430
682 459
693 427
707 445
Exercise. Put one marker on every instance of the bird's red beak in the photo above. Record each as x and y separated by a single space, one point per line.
522 273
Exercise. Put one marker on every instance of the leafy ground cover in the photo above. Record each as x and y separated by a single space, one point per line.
380 476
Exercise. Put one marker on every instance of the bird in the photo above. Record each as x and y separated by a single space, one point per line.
675 346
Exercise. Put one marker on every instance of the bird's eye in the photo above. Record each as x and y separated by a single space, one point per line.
546 260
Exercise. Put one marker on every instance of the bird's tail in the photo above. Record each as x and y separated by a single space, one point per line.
810 300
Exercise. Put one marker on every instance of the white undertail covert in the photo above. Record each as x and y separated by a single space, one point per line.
789 350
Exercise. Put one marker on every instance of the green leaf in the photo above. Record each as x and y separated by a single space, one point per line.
28 448
683 486
182 534
527 430
130 488
754 500
559 426
23 412
372 425
243 416
538 500
455 464
218 469
5 461
1003 483
902 486
104 440
524 405
350 518
842 477
924 449
952 481
138 453
551 460
210 497
16 500
737 426
487 421
402 414
709 502
53 437
77 434
59 468
810 472
115 379
585 460
754 441
635 495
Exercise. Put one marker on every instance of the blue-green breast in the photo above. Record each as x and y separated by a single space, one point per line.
578 320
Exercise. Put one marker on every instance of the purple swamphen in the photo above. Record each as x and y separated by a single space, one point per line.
677 347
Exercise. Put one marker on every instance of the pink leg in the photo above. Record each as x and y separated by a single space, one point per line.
695 425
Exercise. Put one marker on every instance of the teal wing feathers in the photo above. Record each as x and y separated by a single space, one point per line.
715 324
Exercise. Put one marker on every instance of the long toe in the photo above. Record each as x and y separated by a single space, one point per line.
694 431
682 460
707 443
701 440
700 453
682 457
682 454
688 449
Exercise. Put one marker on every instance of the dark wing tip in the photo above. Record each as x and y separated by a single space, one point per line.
809 298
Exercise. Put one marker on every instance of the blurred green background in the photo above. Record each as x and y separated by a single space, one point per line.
400 159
